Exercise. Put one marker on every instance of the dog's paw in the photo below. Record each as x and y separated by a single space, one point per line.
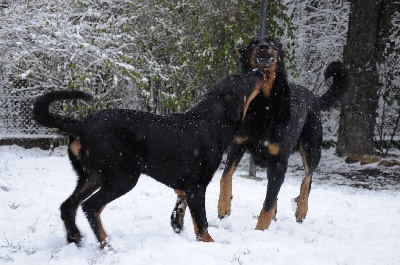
75 238
176 222
224 214
265 217
178 215
224 208
205 237
301 207
105 245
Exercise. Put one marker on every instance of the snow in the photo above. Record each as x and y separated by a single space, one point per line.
344 225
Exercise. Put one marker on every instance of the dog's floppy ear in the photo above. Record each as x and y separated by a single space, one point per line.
232 107
237 53
281 51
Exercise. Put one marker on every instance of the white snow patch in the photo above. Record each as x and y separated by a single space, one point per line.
343 225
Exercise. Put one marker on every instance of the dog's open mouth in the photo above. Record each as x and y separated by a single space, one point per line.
264 62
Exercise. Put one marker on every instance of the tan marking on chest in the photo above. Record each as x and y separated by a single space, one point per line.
75 147
241 140
270 78
273 149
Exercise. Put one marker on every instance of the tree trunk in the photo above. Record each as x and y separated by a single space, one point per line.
357 118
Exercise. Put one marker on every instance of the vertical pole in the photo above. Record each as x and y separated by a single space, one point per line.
252 168
263 19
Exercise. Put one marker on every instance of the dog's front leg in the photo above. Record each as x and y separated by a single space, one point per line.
178 214
276 173
235 154
196 202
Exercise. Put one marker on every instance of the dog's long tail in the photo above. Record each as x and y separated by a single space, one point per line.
340 85
42 115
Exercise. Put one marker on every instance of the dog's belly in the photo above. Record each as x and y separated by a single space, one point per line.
173 176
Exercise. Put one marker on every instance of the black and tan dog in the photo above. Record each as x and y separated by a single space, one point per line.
109 149
278 117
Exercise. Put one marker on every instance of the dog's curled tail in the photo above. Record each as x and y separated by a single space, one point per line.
340 85
42 115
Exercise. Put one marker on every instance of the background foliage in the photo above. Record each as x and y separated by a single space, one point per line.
162 55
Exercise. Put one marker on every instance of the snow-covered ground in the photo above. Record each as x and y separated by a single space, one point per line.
345 224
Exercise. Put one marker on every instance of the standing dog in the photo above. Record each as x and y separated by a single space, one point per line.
278 118
109 149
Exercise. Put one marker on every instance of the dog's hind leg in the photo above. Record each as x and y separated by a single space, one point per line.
85 187
310 161
276 173
68 209
197 206
310 150
178 214
116 186
302 199
235 154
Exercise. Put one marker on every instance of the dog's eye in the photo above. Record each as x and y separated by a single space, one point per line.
271 59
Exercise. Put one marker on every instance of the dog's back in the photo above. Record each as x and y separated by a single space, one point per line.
169 148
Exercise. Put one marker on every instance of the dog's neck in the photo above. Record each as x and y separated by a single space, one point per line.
205 112
272 105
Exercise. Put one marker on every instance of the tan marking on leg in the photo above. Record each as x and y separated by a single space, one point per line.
302 199
304 158
196 228
102 236
205 236
241 140
178 208
225 193
265 218
181 194
75 147
273 149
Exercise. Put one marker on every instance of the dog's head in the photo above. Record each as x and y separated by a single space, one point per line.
265 55
233 105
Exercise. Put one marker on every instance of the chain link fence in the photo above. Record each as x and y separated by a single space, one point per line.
18 127
16 119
